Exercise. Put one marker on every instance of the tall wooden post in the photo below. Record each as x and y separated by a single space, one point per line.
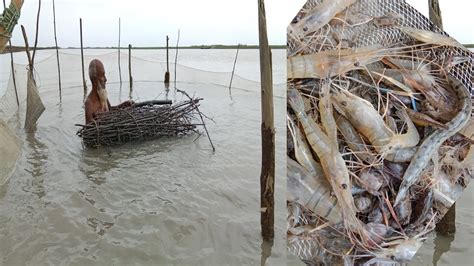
267 176
119 67
176 60
447 225
167 73
57 51
82 60
435 13
130 78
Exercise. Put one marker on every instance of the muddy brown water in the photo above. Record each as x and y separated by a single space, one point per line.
171 201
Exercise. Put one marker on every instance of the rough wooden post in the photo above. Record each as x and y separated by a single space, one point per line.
130 78
435 13
267 176
176 60
57 51
119 67
82 60
167 73
447 225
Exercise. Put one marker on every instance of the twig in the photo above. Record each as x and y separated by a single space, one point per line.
37 31
233 70
82 60
202 119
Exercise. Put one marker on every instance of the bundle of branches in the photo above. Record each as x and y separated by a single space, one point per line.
142 121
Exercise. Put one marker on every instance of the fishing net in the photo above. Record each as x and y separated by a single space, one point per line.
362 13
367 23
34 105
10 147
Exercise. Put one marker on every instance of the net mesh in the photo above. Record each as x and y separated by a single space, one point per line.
364 13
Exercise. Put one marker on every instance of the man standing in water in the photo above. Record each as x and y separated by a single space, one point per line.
97 100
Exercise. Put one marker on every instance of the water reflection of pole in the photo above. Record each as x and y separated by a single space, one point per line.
267 176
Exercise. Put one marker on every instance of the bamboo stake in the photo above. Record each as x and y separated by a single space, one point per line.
82 60
57 51
176 60
27 49
36 35
130 78
119 67
12 64
167 73
233 70
267 176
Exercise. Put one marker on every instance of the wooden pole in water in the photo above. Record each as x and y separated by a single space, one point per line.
176 60
233 70
12 64
130 67
119 67
167 73
435 13
447 225
267 176
57 50
82 59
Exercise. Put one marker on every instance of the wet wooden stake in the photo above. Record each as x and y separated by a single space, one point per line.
167 73
12 64
233 70
130 78
267 176
447 225
57 51
82 60
435 13
119 67
176 60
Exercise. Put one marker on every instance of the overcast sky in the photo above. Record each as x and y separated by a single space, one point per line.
147 22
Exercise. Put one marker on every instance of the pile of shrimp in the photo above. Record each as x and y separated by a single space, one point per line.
380 139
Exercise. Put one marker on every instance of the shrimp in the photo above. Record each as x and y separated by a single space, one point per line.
401 251
432 143
353 139
327 118
317 17
312 191
302 151
333 62
430 37
333 165
370 124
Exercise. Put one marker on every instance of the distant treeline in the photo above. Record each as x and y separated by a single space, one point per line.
216 46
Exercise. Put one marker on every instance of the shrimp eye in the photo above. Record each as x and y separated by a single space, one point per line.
305 28
344 186
344 103
392 257
356 64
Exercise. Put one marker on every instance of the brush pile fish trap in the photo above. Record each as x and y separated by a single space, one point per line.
380 132
142 121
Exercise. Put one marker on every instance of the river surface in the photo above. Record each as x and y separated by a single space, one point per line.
171 201
168 201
